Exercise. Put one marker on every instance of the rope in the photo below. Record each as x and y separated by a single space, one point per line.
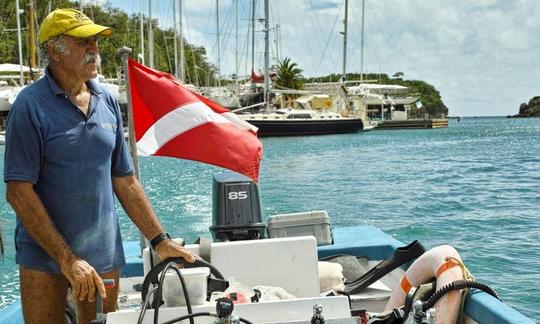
467 275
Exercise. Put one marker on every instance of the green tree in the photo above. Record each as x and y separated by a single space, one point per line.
126 33
289 75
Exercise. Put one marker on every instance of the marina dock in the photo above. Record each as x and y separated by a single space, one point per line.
413 123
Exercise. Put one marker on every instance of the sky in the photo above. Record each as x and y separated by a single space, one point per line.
481 55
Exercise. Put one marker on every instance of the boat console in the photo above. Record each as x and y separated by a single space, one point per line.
285 263
277 278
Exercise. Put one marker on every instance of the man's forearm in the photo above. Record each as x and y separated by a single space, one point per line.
37 222
134 201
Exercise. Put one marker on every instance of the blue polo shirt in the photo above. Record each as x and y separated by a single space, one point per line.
71 159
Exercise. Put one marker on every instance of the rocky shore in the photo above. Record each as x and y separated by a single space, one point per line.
532 109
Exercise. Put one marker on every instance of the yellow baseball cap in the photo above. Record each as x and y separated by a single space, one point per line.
70 22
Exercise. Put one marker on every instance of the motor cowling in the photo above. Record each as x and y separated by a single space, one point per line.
236 208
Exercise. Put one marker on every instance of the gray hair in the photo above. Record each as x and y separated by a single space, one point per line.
59 46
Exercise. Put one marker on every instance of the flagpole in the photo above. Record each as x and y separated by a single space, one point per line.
125 52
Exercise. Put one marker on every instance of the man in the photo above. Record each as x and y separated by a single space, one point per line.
65 155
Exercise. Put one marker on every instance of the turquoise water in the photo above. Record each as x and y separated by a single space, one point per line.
474 185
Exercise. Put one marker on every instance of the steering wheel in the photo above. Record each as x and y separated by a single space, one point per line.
153 275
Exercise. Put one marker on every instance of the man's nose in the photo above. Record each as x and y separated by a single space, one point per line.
92 46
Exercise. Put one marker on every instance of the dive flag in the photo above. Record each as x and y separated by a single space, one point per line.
171 120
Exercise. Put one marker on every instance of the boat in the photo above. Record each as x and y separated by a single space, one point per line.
299 117
223 95
271 272
2 138
289 122
385 101
9 88
6 92
305 112
274 279
369 126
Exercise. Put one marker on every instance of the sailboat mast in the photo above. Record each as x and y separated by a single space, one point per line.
31 39
150 36
19 40
141 34
266 56
236 51
182 64
252 35
175 41
362 45
218 54
343 74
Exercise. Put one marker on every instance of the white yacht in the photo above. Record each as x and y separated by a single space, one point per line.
287 122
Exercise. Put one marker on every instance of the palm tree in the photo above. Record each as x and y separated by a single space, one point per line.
288 74
398 75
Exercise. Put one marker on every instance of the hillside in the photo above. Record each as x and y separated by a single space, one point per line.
532 109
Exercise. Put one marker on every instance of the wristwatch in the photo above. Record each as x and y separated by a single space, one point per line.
160 237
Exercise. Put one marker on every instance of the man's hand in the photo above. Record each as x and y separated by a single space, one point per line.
170 249
83 279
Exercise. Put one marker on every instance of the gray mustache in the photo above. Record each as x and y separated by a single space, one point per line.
89 57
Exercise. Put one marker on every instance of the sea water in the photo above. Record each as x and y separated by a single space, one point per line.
474 185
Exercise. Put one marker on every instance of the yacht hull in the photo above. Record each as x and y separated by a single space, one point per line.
306 127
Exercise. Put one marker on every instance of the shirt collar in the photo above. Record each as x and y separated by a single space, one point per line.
92 84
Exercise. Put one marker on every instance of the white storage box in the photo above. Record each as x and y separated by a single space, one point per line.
316 223
196 282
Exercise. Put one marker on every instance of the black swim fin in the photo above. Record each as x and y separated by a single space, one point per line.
401 256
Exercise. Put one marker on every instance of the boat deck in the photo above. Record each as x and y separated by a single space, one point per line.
366 241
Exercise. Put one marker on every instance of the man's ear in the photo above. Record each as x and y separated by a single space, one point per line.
53 53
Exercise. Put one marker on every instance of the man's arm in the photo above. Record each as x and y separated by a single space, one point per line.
35 219
134 201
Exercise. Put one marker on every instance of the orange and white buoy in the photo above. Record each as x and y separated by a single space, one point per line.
444 264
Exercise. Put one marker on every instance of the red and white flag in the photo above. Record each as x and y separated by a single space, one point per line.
171 120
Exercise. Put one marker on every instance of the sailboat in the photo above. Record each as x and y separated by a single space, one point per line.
300 118
8 93
227 96
8 87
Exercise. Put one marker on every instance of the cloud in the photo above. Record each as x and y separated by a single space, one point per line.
94 2
326 4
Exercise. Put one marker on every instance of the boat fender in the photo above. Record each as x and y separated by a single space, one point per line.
331 276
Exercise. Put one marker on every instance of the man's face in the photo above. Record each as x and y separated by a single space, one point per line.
82 58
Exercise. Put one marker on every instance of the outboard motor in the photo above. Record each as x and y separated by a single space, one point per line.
236 208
